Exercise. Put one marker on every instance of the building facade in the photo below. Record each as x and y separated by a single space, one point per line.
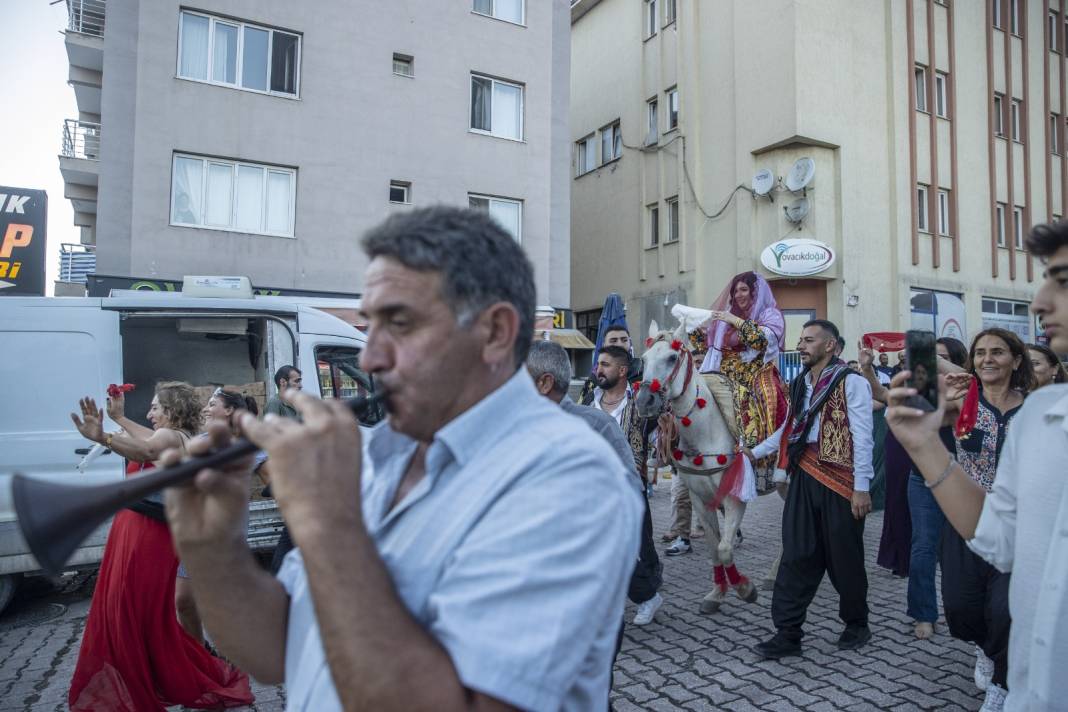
935 131
256 137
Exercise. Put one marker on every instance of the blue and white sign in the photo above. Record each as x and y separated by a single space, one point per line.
797 257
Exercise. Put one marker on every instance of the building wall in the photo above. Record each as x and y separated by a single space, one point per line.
355 127
835 84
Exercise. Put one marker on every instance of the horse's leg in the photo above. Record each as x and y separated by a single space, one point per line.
702 492
734 510
773 572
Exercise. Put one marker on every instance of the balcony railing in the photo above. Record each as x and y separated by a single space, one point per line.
81 139
76 261
86 17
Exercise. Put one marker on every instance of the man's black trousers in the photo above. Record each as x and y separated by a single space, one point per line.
819 535
645 581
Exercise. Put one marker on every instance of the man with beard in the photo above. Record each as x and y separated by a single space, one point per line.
825 446
485 563
1021 525
613 396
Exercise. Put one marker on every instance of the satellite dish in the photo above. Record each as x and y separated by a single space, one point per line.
763 182
801 174
797 210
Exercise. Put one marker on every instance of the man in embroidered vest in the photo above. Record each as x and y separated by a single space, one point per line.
825 446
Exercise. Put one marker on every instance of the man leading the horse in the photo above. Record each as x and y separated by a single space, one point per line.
825 446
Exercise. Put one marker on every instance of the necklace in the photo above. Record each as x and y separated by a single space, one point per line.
608 404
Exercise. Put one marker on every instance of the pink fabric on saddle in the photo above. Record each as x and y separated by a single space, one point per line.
762 309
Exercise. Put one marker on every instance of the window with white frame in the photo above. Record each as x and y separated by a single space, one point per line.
942 94
670 11
507 10
999 115
1055 134
1015 107
920 87
996 11
673 219
496 107
400 191
943 212
585 155
650 18
232 195
1014 17
1017 227
611 143
999 218
672 108
238 54
403 65
652 132
921 207
506 212
654 225
1053 29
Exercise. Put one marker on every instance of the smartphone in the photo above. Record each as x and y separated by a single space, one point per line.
921 357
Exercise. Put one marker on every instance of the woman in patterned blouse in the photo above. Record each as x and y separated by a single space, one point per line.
974 593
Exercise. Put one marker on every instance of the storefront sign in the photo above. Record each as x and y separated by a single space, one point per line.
797 257
23 223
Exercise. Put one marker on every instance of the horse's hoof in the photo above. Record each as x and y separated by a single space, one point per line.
709 607
747 592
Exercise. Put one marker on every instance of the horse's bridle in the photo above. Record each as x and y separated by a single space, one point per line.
655 386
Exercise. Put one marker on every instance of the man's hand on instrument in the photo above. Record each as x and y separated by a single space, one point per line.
860 504
315 464
91 424
211 512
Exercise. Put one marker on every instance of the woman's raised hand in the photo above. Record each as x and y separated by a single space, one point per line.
117 406
91 424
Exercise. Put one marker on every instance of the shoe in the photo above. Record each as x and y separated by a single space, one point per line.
669 536
780 646
923 630
853 637
679 546
984 669
647 610
738 537
995 698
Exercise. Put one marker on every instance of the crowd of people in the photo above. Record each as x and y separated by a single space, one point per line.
470 572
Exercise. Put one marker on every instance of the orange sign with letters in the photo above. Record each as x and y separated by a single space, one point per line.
23 221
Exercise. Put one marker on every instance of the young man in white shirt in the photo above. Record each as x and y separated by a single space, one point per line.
1022 524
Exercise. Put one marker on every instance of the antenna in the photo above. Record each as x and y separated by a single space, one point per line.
797 210
801 174
763 182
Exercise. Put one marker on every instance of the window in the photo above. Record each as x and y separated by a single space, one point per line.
1055 134
496 107
999 115
231 195
943 212
585 155
673 219
670 10
1014 17
673 108
1014 108
238 55
506 212
1007 314
652 134
997 13
942 94
611 143
921 207
999 218
920 85
654 225
507 10
650 18
1053 30
1017 227
403 65
400 192
340 376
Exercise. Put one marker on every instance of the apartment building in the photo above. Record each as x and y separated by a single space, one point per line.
899 148
263 137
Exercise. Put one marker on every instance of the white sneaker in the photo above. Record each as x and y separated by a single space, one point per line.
679 546
995 699
647 610
984 670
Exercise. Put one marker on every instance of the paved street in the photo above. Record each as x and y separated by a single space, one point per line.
682 661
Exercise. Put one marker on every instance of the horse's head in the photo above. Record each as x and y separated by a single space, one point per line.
667 361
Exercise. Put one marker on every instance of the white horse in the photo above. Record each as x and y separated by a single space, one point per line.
705 451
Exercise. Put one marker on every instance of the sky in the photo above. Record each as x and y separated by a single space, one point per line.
33 71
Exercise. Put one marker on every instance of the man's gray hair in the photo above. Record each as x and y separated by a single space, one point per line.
480 264
549 357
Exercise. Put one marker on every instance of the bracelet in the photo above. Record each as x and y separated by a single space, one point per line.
944 475
107 440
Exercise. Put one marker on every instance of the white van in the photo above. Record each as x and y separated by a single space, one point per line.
55 351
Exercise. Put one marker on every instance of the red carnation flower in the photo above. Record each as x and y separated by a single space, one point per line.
701 402
648 342
677 454
676 345
699 460
721 459
654 387
686 421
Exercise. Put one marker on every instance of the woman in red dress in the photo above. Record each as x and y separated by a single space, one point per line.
135 656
